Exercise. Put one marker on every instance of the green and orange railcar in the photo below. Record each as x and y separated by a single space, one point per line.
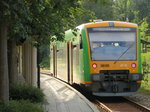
103 56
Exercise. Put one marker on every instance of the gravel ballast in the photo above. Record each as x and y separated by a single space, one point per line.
141 99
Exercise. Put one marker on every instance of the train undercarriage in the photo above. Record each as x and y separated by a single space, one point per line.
115 83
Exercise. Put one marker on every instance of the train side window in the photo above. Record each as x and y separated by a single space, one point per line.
81 43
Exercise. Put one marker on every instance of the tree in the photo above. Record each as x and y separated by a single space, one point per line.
123 10
137 11
4 81
36 21
45 56
143 7
101 9
144 29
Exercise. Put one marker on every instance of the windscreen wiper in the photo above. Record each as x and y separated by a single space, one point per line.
123 53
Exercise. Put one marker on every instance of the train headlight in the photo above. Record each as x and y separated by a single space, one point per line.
133 65
94 65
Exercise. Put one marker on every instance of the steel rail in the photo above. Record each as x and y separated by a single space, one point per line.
102 106
140 106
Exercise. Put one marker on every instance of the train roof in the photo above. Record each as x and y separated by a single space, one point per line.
106 24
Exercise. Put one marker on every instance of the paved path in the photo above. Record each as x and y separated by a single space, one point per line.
63 98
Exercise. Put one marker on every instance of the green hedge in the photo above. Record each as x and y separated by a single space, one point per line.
146 70
20 106
26 92
146 58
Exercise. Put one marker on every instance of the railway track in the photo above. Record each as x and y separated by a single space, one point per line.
119 104
142 108
112 104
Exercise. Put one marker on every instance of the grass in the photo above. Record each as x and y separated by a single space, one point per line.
144 90
20 106
145 87
26 92
24 98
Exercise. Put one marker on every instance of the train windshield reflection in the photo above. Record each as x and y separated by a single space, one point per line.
111 45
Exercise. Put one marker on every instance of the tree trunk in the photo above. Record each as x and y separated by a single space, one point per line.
4 81
12 61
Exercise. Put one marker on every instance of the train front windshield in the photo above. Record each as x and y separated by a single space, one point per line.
112 43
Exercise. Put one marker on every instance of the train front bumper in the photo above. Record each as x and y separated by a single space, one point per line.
127 77
115 84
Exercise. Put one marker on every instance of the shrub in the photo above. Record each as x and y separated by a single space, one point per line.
20 106
26 92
